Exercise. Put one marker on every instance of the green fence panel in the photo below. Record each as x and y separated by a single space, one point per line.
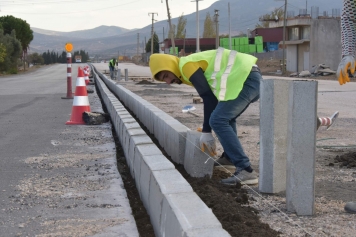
171 50
244 48
259 48
243 40
258 40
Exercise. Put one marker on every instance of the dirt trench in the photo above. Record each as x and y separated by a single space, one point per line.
230 204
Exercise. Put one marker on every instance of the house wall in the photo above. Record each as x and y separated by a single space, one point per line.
324 46
190 44
295 57
269 34
325 42
292 57
303 48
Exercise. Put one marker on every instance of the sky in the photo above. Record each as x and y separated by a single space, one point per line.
73 15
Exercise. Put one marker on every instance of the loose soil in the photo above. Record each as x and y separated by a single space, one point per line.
228 203
347 160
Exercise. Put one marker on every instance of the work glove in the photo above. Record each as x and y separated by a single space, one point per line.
347 64
207 142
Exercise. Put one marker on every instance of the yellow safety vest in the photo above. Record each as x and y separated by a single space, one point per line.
226 73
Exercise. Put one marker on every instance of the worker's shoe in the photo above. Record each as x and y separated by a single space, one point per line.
241 176
224 161
350 207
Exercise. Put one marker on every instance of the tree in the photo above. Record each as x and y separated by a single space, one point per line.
55 57
2 52
209 29
182 22
155 44
12 51
224 36
63 57
35 59
82 53
172 32
23 31
277 13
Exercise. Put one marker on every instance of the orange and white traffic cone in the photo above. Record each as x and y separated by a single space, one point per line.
86 75
80 101
327 121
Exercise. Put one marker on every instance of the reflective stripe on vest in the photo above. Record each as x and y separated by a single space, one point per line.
226 73
217 65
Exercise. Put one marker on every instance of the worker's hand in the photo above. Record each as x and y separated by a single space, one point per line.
347 64
207 142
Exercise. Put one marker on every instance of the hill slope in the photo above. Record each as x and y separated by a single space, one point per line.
97 32
108 41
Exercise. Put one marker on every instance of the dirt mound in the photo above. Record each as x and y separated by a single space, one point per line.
229 204
348 160
144 82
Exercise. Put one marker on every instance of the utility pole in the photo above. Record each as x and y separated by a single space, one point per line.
138 45
144 47
170 29
228 7
284 34
198 46
153 19
306 6
184 41
216 19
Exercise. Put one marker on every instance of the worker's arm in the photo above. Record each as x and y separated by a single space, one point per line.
201 85
207 141
348 41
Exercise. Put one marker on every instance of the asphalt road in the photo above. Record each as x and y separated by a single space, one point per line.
56 179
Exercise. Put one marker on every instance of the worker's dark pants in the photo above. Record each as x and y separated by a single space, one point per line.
223 119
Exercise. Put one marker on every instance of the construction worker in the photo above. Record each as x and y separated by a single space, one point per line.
348 41
347 64
228 82
112 64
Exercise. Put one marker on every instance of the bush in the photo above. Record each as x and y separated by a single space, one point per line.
12 71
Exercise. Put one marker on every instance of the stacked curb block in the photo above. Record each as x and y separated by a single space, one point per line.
174 208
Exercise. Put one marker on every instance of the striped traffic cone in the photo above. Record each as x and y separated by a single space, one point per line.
86 75
80 101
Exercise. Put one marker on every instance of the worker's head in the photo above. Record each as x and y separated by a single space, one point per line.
168 77
165 67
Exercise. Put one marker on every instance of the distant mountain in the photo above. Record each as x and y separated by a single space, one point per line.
108 41
98 32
